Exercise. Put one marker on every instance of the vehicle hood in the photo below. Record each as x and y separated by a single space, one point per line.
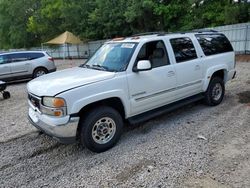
60 81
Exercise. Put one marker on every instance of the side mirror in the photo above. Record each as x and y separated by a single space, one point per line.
143 65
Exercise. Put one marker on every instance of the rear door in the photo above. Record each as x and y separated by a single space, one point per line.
188 67
20 64
5 68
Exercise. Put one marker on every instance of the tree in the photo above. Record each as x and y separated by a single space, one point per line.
26 23
14 15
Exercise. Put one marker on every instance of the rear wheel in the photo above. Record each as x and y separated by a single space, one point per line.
215 92
101 129
39 72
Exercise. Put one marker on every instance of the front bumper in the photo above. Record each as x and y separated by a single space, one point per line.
62 129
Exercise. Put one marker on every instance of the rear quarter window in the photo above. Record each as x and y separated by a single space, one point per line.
35 55
214 44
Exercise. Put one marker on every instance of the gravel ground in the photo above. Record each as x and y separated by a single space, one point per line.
194 146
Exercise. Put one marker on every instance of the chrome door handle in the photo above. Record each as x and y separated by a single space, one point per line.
171 73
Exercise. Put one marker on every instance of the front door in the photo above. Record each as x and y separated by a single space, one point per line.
153 88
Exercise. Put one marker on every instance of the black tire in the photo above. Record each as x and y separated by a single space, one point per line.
98 122
39 72
6 95
215 92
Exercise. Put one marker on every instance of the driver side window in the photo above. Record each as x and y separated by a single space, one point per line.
155 52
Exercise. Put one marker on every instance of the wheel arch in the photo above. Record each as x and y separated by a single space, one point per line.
40 67
114 102
220 72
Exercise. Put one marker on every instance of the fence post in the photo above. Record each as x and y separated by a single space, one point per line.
246 39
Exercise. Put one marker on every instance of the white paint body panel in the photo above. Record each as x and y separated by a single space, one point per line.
138 91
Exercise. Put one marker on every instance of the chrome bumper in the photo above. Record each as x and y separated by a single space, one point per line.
62 129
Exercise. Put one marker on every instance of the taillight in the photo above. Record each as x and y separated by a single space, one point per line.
51 59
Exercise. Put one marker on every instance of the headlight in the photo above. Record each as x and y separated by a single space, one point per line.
53 102
54 106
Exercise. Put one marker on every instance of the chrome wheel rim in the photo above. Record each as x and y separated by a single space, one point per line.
217 92
103 130
40 73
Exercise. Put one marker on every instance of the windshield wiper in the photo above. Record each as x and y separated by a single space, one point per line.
97 67
85 66
100 67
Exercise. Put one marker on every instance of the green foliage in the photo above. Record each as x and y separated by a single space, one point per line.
26 23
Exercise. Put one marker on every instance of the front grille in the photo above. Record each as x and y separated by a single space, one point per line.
34 101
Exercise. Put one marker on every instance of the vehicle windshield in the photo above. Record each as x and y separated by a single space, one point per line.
111 57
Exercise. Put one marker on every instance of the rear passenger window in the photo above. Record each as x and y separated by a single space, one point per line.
183 49
214 43
17 57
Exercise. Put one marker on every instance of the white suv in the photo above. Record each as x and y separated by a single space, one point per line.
25 64
133 79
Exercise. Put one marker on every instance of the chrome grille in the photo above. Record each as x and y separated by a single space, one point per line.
34 101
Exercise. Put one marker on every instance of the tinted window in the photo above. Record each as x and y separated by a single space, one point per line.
35 55
18 57
155 52
2 59
183 49
214 44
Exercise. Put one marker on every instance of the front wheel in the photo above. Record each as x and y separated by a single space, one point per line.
215 92
101 129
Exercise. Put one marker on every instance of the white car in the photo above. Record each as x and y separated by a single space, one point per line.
25 64
133 79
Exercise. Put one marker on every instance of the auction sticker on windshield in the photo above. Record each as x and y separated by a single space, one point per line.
128 45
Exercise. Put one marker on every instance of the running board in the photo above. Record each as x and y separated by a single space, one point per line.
164 109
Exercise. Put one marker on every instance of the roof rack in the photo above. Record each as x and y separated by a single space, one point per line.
162 33
159 33
205 30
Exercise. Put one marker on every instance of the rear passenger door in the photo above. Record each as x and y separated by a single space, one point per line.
188 67
20 64
5 68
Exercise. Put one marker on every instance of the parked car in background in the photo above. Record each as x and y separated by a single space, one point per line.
25 64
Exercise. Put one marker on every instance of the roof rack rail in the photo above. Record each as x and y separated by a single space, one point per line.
205 30
150 33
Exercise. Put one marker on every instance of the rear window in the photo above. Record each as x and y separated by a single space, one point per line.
214 44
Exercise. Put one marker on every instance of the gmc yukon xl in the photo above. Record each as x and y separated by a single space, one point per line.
130 79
